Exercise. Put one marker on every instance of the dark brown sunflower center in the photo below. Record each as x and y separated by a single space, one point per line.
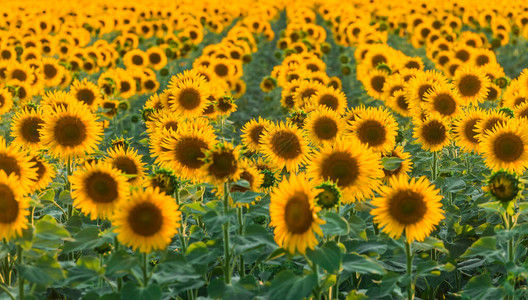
340 168
402 102
145 219
2 100
407 207
422 90
329 101
434 132
154 58
256 133
378 59
190 151
70 131
491 123
223 165
372 133
286 145
8 205
29 129
298 214
50 71
101 187
469 85
508 147
41 168
504 189
482 60
246 176
86 95
189 99
412 65
377 82
325 128
171 125
19 74
470 131
221 70
307 93
9 164
137 60
125 165
6 54
150 84
444 104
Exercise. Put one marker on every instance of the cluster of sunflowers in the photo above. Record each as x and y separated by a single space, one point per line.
125 135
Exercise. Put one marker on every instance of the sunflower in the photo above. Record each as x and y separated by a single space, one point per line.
25 127
15 161
472 85
13 207
6 101
376 128
250 173
305 90
504 187
412 206
374 83
444 100
87 93
128 161
45 172
221 164
20 72
330 98
521 111
294 214
53 72
489 121
433 132
148 221
252 133
323 126
53 101
135 58
355 169
398 102
465 129
284 145
163 119
403 168
71 132
506 147
417 88
189 98
156 58
98 189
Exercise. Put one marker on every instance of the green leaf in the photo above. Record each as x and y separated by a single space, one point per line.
454 184
120 262
354 262
430 243
495 206
86 239
132 292
480 287
65 197
288 286
245 197
328 256
391 163
356 295
357 227
335 225
49 235
485 246
44 271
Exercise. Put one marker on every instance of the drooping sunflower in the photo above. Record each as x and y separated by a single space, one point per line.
99 189
148 221
52 101
13 207
323 126
221 164
189 98
355 169
472 85
71 132
506 147
444 100
285 146
465 129
294 214
87 93
412 206
45 172
433 132
13 160
252 133
376 128
25 127
504 187
128 161
403 168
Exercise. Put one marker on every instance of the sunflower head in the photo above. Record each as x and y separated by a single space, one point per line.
504 186
329 195
164 180
221 163
13 207
433 132
285 146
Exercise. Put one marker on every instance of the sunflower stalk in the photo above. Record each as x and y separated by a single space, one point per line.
242 269
145 269
182 223
227 256
317 289
410 287
434 169
509 223
20 258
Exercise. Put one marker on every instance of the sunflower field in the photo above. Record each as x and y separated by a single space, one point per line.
250 149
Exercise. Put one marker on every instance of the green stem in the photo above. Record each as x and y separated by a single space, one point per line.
119 280
3 288
20 257
317 289
145 270
227 256
183 242
434 169
70 172
242 267
410 288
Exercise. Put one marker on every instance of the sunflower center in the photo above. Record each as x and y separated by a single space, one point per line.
377 82
286 144
445 104
70 131
372 133
50 71
8 205
434 132
482 60
407 207
41 169
155 58
125 165
340 168
491 123
329 101
189 152
508 147
125 87
325 128
297 213
9 164
504 187
256 133
246 176
469 85
223 165
101 187
378 59
86 95
171 125
145 219
402 103
308 93
30 129
422 90
19 74
470 131
189 99
221 70
137 60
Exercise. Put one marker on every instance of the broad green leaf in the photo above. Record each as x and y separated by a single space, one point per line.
391 163
288 286
328 256
357 227
356 295
132 292
480 287
483 247
120 262
49 235
44 271
430 243
86 239
335 225
354 262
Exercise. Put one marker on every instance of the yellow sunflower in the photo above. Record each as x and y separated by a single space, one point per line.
13 207
465 129
294 214
189 98
221 164
156 58
403 168
376 128
285 146
25 127
45 172
135 58
251 174
71 132
148 221
490 119
374 83
355 169
53 72
13 160
6 101
444 100
472 85
330 98
128 161
398 102
323 126
432 133
99 189
412 206
87 93
506 147
252 133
